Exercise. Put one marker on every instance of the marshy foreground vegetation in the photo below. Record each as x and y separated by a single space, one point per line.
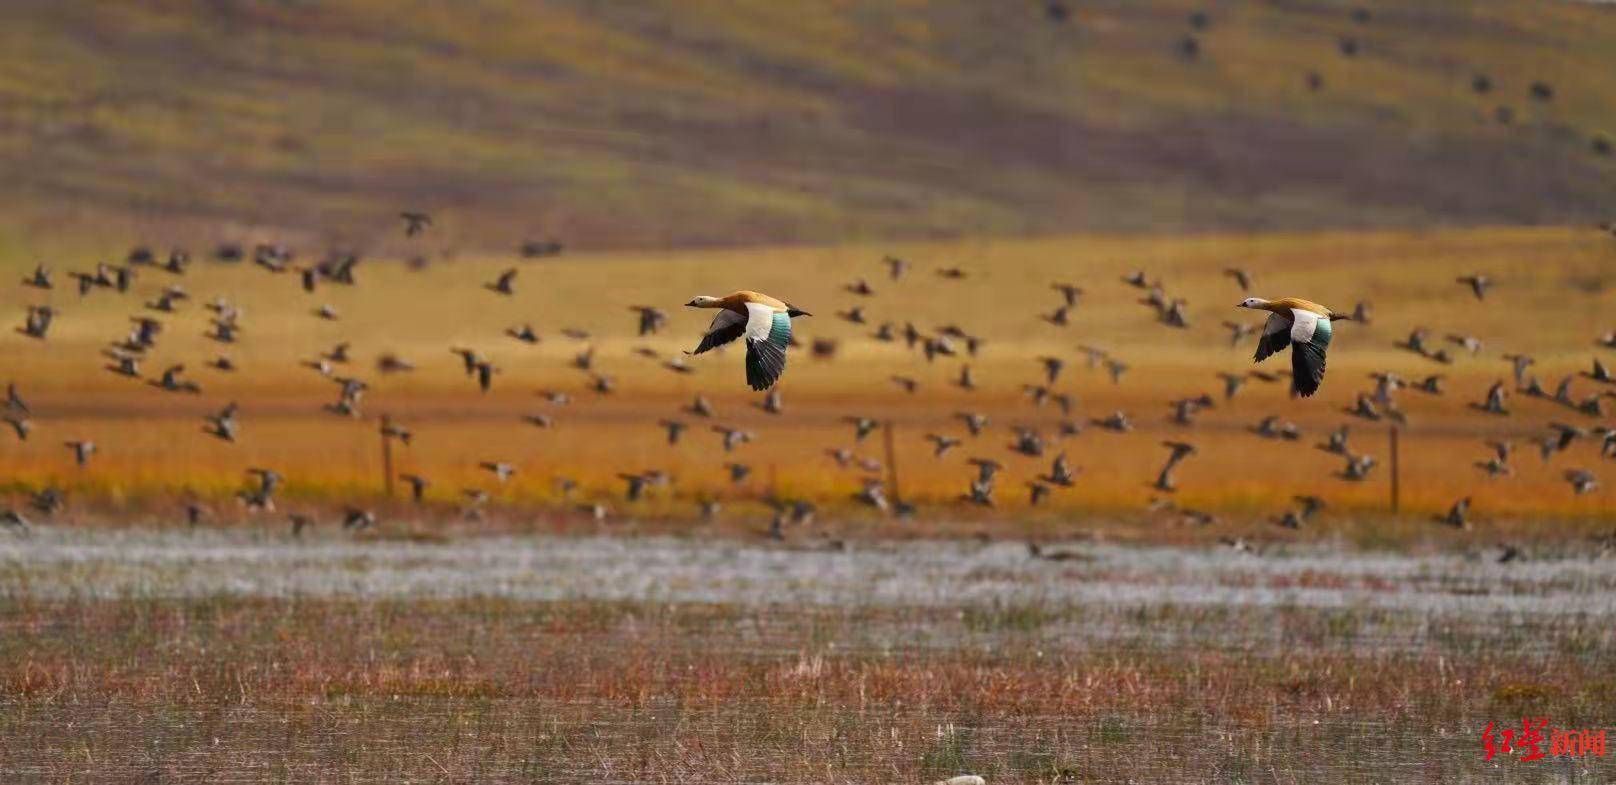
350 433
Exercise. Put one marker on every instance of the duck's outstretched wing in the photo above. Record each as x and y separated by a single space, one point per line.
1310 338
1276 335
727 326
768 333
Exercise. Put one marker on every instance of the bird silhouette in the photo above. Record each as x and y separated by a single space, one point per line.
1478 283
504 283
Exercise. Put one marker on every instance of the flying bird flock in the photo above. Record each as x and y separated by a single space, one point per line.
1041 458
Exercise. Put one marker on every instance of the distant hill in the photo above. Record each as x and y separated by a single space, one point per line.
699 122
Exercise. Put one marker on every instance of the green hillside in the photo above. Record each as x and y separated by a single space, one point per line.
694 122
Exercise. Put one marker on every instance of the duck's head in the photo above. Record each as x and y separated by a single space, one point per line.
702 301
1252 302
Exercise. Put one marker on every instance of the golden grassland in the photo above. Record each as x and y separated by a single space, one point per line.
1553 298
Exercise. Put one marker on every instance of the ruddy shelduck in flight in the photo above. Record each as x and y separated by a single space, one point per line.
1302 325
765 323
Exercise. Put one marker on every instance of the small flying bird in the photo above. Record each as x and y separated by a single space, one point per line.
14 520
126 363
1469 343
896 268
951 273
635 486
1028 442
1566 434
1070 293
733 437
981 494
873 494
1336 442
1600 373
502 471
1432 385
1185 409
909 385
1232 383
700 406
356 519
1519 363
1036 491
764 322
1239 331
862 426
1115 368
942 444
171 381
1305 327
1060 472
1052 368
539 420
1562 391
82 450
222 424
1364 407
854 314
37 323
1272 428
1494 467
675 429
415 222
860 287
525 333
1115 421
1582 481
651 319
1240 276
20 424
41 279
772 402
986 468
966 379
1494 404
418 486
974 422
738 472
1478 283
1357 468
1310 506
503 283
1180 451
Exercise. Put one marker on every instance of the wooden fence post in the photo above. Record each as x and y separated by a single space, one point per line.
892 461
1396 472
387 455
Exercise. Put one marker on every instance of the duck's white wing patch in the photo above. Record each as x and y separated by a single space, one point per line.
760 320
1303 323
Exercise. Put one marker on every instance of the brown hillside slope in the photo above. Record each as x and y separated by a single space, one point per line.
690 123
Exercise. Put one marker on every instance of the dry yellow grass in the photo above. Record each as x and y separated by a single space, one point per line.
1553 298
